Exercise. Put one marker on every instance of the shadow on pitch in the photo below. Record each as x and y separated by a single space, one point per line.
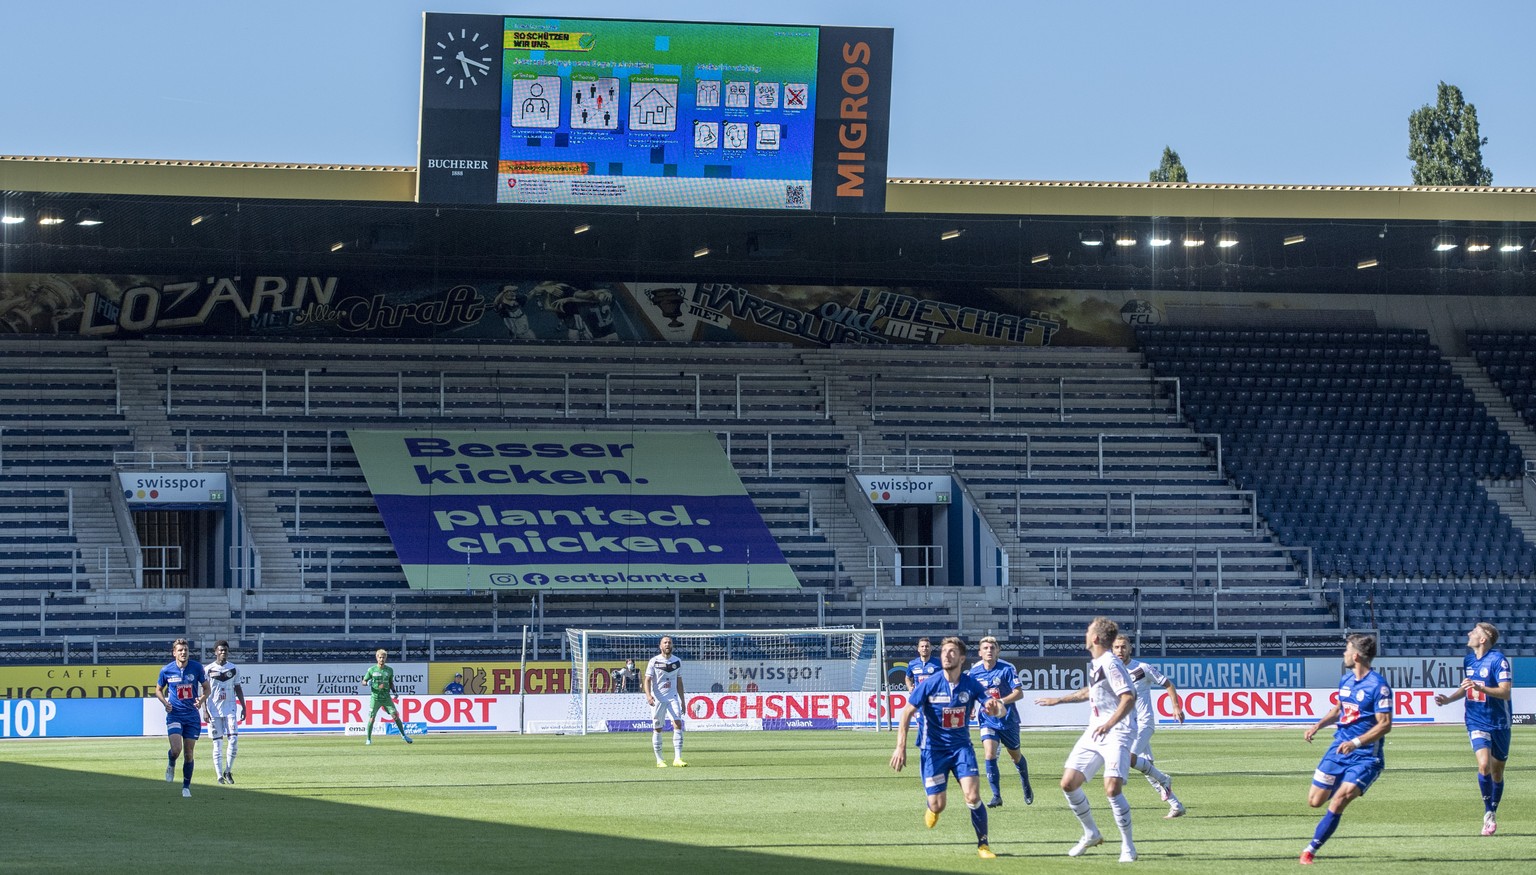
68 821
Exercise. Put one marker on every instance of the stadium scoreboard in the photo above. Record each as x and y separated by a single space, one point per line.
583 111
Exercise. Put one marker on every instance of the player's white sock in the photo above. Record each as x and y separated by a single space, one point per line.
1122 810
218 755
677 744
1077 800
656 742
234 746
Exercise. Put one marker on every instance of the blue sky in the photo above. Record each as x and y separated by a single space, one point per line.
1301 93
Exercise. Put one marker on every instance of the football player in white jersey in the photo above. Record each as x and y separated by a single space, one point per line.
1105 743
224 710
663 687
1145 722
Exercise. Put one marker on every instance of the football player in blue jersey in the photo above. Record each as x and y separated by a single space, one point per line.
1002 684
944 702
1488 688
182 688
924 666
1355 759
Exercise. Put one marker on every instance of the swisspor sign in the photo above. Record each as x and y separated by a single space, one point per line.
906 488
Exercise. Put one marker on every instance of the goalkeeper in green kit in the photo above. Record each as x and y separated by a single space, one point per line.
380 680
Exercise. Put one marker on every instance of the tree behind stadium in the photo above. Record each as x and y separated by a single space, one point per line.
1443 142
1171 170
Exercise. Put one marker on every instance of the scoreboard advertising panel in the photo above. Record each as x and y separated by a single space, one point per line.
604 112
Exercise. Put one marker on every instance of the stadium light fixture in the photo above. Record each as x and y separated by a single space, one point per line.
50 216
702 251
337 246
1092 237
1293 239
1159 238
12 214
1443 243
1511 244
88 217
1367 263
1041 258
1226 240
581 229
1193 239
1125 237
951 234
1478 243
198 219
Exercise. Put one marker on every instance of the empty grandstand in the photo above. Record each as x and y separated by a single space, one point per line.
1222 479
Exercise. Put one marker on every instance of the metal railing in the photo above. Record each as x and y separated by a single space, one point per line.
1137 514
1195 553
903 558
178 459
905 462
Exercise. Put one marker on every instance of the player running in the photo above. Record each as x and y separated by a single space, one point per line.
1489 690
380 680
1144 676
225 709
663 687
1106 742
182 688
1001 682
1355 759
945 703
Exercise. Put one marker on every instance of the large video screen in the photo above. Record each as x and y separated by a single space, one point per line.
529 110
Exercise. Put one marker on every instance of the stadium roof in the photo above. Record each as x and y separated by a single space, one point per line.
997 233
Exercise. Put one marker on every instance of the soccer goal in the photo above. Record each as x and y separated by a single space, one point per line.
733 678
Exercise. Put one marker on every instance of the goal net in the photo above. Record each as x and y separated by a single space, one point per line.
823 678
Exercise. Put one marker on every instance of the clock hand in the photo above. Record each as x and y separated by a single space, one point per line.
467 63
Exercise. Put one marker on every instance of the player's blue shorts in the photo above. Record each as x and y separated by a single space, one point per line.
1337 769
938 764
188 726
1007 736
1496 740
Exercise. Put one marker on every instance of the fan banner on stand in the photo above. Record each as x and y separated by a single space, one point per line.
568 510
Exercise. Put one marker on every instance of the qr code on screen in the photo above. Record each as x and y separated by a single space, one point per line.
794 195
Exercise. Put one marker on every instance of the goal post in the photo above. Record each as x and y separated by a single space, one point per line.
814 678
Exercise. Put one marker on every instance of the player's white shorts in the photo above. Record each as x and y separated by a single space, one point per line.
667 706
222 724
1141 742
1113 753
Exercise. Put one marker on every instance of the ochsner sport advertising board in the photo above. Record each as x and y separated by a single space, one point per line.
547 510
66 718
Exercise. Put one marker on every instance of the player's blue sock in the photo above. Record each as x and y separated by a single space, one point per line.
170 758
979 822
1485 784
994 778
1325 828
1498 793
186 772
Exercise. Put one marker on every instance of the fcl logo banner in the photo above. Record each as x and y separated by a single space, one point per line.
567 510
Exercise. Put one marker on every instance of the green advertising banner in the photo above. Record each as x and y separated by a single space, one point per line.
568 510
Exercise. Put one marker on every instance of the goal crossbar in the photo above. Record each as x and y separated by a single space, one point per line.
737 663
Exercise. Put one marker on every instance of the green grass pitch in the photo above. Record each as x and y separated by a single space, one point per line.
781 802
